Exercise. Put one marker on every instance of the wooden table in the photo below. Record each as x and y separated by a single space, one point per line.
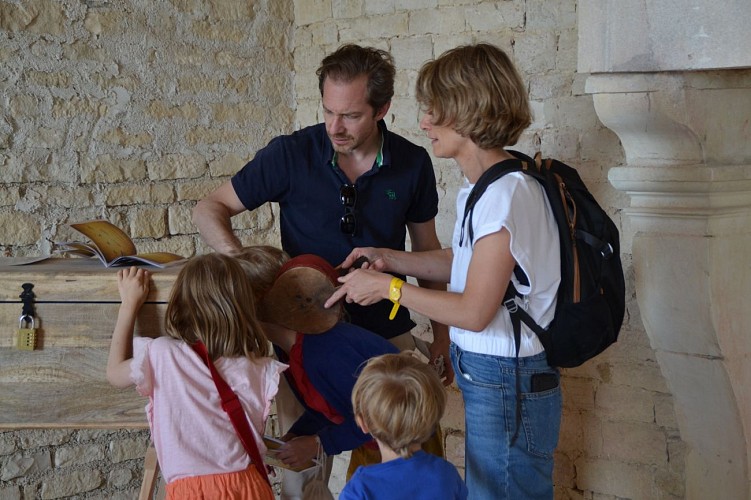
62 383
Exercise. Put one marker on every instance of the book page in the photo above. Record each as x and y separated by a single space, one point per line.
109 239
158 259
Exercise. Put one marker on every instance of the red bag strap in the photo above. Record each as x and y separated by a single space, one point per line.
231 404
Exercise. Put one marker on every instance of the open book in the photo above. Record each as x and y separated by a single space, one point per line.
112 246
272 446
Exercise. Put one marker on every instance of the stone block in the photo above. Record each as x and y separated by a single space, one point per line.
311 11
181 245
148 223
195 190
578 393
413 5
119 477
126 194
23 464
447 20
564 472
8 443
127 139
75 107
226 165
220 31
18 228
453 417
194 84
665 411
346 9
379 27
623 403
646 375
36 16
10 493
105 168
495 16
127 449
411 53
179 219
535 53
77 482
177 166
204 136
48 79
619 479
454 446
380 7
543 15
634 443
73 455
239 113
162 110
445 41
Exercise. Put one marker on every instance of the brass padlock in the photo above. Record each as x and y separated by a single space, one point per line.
27 333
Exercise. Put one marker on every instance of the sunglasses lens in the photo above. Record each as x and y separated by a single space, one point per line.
348 195
348 223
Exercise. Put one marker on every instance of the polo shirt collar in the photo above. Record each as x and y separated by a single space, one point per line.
379 156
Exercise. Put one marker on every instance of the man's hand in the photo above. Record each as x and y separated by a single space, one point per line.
298 451
374 258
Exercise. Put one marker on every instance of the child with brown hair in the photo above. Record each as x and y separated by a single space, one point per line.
199 453
399 400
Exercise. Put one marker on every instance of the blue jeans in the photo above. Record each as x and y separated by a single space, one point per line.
495 469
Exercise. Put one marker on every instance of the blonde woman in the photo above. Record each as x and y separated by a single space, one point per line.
475 105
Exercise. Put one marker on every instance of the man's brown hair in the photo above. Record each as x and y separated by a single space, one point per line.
351 61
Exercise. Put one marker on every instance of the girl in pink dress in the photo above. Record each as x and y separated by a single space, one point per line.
199 453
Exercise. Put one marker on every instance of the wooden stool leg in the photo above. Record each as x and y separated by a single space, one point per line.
150 473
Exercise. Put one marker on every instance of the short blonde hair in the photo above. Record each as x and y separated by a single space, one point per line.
476 90
262 264
212 301
400 399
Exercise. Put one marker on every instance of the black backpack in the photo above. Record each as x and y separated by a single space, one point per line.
591 296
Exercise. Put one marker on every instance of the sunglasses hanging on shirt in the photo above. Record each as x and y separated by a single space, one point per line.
348 197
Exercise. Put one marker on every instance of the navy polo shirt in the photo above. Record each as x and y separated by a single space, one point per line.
296 171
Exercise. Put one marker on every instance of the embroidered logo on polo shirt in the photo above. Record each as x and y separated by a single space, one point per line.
391 194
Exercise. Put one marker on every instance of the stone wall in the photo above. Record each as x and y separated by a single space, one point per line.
127 110
133 110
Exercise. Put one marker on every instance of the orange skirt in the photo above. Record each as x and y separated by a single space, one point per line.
243 485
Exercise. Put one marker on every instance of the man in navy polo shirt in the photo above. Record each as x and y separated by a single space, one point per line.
341 184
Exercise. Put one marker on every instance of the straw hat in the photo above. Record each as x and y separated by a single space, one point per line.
296 298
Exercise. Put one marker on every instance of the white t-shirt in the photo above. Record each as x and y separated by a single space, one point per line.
192 434
518 203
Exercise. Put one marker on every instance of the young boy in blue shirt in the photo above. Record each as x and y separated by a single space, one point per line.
399 401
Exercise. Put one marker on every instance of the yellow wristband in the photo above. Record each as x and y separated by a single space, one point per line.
395 293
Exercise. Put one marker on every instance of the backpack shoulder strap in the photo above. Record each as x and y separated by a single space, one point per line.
486 179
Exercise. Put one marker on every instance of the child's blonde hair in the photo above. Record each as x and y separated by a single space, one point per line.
400 400
212 301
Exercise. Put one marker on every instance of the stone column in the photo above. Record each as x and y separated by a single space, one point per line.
686 138
672 81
